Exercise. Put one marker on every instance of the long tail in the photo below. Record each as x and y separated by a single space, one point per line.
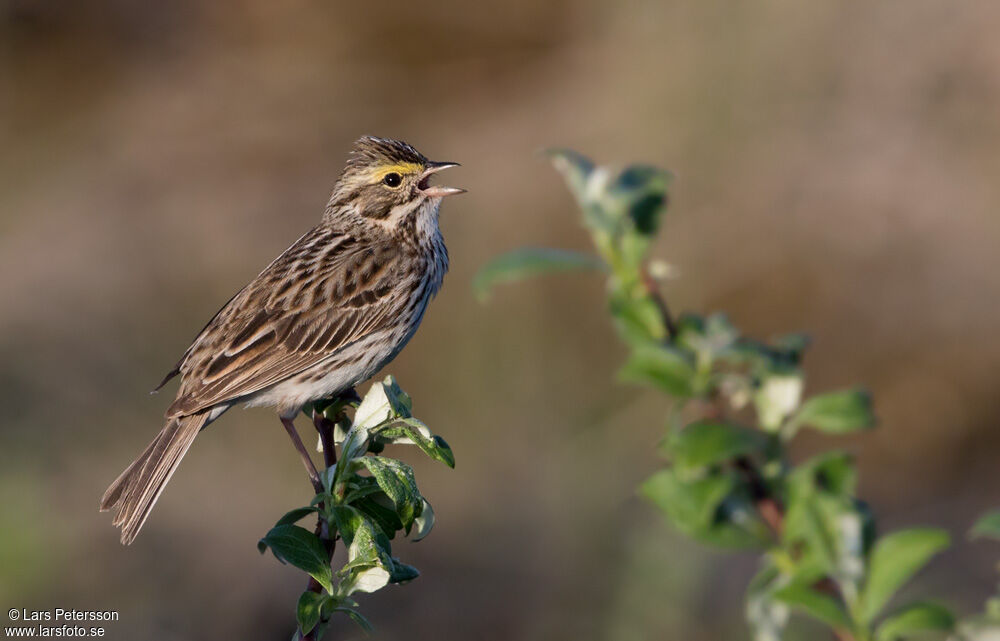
133 494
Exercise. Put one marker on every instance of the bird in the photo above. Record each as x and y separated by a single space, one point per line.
324 316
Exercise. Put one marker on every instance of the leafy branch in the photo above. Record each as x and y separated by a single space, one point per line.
365 500
985 626
737 405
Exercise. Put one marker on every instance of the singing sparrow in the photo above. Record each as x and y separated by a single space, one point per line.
325 315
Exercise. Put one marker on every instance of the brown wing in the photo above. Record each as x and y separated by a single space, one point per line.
325 292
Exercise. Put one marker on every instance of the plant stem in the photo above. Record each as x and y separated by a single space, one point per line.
768 506
325 427
649 284
772 512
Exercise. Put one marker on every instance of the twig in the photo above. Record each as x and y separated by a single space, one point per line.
326 427
772 512
651 287
768 506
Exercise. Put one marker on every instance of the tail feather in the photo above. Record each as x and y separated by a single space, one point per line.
114 492
135 491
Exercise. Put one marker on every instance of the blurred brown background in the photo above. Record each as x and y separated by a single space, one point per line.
837 171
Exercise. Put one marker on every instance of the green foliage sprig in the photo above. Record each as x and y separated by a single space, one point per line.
985 626
367 499
738 403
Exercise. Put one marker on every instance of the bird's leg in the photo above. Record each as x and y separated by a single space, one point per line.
304 453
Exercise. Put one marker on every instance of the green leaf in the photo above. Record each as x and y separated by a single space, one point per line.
827 529
988 526
308 610
766 616
895 559
358 488
521 264
992 610
424 522
815 604
639 321
913 619
301 548
369 577
792 346
706 443
410 431
690 506
397 481
358 618
838 412
381 511
641 192
368 551
297 514
661 366
401 572
575 168
589 186
346 520
355 445
811 520
713 510
832 472
384 401
707 337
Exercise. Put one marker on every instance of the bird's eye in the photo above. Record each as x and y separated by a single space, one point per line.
393 179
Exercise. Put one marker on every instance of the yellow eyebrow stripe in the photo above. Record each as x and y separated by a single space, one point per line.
402 168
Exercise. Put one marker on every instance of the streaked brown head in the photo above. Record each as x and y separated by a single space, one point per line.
388 180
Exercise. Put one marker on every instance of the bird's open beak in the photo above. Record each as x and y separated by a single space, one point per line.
436 191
